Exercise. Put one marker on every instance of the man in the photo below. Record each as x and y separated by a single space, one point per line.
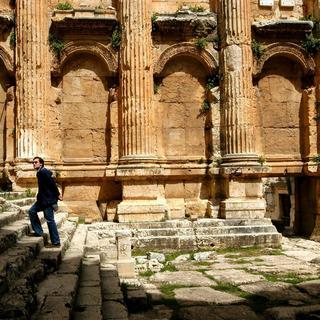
47 198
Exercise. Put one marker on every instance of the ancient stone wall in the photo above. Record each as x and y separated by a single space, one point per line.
179 118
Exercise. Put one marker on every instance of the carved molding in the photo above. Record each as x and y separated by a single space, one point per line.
7 60
208 60
291 51
90 47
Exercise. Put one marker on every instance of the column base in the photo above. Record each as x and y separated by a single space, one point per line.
239 159
142 210
243 208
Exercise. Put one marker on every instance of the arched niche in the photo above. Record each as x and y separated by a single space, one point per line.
74 48
184 129
84 114
208 60
280 106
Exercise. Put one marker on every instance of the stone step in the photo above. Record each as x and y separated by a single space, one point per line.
202 231
204 241
11 233
23 202
56 294
178 224
32 271
8 217
113 302
89 296
18 257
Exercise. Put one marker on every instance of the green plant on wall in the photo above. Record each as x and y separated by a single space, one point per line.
262 160
116 38
212 81
12 39
201 43
316 159
257 49
205 108
311 44
64 6
154 18
196 8
56 45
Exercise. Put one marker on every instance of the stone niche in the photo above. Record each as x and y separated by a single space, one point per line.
81 129
180 98
280 106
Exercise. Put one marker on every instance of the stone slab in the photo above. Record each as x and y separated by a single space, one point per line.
232 312
235 277
275 291
193 278
204 296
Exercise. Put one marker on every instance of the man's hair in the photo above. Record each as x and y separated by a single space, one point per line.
40 160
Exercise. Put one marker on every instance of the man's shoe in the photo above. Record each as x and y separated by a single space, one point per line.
53 245
33 234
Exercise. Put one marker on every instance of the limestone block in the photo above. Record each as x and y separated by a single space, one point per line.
111 210
243 208
142 210
86 209
174 190
237 189
254 189
81 192
197 208
176 208
133 190
192 190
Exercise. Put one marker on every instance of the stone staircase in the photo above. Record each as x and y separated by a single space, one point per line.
99 296
77 281
186 234
36 281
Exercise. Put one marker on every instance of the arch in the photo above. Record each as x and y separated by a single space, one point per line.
289 50
7 60
206 58
91 47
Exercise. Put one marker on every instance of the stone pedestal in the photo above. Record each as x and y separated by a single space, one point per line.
142 201
244 199
125 263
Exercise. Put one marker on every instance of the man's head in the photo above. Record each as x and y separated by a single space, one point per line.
37 163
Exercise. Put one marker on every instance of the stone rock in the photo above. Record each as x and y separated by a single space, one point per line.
154 265
235 277
181 258
193 278
312 287
204 296
203 256
278 291
218 313
141 259
157 256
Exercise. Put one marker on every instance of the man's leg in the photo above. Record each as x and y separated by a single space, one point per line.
53 230
34 219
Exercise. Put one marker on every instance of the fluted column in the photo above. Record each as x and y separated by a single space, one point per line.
236 64
32 76
136 80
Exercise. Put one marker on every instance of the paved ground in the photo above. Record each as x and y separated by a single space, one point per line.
248 284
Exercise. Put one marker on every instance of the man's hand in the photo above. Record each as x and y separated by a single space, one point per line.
60 197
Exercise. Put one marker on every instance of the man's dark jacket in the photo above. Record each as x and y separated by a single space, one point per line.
48 192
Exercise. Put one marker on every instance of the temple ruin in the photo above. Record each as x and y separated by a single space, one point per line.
161 110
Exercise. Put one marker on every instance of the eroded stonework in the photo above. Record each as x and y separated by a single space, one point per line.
153 110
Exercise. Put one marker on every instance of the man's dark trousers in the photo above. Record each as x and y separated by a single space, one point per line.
49 216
